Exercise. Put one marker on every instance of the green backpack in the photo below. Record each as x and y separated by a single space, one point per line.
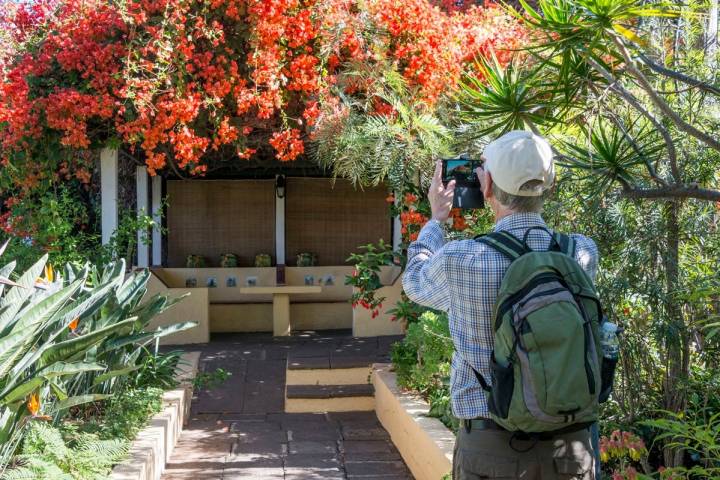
546 363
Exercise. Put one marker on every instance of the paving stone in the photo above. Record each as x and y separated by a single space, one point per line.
387 456
313 474
360 433
254 427
206 466
375 468
267 446
254 473
192 475
382 477
239 429
324 432
351 361
329 391
237 462
308 363
243 418
296 421
354 418
318 461
366 446
311 448
276 436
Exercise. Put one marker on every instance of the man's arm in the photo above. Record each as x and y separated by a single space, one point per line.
425 279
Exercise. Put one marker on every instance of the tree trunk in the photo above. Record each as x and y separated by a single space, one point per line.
677 339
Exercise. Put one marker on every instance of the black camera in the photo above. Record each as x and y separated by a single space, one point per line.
468 194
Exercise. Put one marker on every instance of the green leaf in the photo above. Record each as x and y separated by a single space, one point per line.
21 391
16 296
115 373
69 348
79 400
46 308
58 369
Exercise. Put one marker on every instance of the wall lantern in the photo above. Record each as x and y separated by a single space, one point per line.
280 186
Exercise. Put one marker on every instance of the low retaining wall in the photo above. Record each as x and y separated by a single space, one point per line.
152 447
424 442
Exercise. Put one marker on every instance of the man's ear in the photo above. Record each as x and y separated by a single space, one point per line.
486 185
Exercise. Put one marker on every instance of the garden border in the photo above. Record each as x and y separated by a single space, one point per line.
424 442
151 449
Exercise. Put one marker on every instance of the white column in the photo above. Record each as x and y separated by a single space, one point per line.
156 233
143 246
108 193
280 228
397 235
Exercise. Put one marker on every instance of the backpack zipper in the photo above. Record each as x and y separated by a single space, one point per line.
544 277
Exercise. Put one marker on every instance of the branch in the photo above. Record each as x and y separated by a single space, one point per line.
673 191
693 82
635 103
660 103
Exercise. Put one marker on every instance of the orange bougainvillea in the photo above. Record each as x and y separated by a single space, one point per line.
183 82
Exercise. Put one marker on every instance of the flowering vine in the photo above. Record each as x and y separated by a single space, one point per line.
179 83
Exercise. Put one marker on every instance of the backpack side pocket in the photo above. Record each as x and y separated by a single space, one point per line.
503 384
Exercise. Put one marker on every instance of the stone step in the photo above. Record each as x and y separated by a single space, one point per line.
329 398
322 370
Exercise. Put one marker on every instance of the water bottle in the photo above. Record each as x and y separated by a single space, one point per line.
609 340
610 344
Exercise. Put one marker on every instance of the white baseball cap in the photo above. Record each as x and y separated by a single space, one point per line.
518 157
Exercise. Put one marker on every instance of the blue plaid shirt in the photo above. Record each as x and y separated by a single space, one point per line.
463 278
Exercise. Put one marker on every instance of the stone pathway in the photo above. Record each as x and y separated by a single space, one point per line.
239 430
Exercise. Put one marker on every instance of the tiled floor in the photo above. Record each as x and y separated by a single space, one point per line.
239 430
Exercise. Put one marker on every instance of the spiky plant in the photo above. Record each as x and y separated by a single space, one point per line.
68 340
384 135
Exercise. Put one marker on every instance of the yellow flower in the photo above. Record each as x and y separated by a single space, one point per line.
33 403
49 273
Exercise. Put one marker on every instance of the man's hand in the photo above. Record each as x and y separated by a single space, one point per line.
441 198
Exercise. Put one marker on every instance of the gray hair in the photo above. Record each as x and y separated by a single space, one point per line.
519 203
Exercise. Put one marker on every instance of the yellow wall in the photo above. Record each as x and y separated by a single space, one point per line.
227 310
364 325
242 317
424 442
257 317
193 308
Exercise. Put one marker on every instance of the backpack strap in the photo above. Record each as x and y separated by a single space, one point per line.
565 243
559 242
505 243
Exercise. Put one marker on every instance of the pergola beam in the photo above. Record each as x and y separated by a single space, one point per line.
279 225
143 247
157 217
108 193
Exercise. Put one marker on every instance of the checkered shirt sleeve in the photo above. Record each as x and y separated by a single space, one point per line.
462 278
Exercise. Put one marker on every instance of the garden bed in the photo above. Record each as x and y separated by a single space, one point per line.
424 442
154 444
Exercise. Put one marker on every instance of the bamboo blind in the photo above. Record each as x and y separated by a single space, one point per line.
212 217
332 222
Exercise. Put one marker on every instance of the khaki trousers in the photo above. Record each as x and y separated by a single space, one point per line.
490 454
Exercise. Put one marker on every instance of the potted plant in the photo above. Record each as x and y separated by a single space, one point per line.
263 260
194 261
228 260
307 259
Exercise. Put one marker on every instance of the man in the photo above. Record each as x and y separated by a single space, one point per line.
463 279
